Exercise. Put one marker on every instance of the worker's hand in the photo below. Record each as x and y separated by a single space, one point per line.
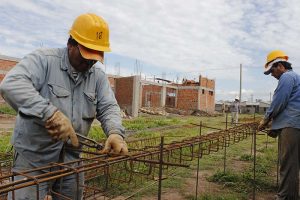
60 127
263 124
115 144
274 133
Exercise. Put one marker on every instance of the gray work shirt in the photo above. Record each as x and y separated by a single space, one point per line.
40 84
235 106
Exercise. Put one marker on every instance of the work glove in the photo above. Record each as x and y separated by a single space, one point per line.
115 144
263 124
60 128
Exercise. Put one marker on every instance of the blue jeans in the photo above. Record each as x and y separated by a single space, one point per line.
66 186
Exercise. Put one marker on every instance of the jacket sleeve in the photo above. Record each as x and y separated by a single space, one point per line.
108 110
281 96
21 84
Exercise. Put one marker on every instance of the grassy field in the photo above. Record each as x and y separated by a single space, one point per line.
235 183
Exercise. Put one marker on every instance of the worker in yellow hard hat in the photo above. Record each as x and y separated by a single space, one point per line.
57 93
284 113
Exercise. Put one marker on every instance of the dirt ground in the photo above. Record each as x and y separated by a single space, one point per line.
7 123
204 187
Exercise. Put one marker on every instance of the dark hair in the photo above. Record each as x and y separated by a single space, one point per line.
286 65
72 41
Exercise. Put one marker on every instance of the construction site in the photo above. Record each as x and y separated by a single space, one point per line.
145 100
179 148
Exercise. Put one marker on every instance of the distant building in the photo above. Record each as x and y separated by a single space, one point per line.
246 107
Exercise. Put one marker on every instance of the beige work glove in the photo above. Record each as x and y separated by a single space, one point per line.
115 144
60 128
264 123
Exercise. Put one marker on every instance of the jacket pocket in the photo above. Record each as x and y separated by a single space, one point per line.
59 91
89 105
60 97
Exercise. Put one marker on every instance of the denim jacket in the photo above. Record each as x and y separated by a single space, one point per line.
285 107
40 84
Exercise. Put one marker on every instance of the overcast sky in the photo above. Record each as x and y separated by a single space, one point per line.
171 39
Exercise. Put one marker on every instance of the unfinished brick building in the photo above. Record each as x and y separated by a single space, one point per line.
133 93
190 95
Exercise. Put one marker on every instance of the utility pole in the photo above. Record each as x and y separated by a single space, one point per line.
240 83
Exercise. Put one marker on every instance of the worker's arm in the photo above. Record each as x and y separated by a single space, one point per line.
107 110
108 113
21 85
281 96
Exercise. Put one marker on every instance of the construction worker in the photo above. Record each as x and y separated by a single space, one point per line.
284 112
57 93
235 109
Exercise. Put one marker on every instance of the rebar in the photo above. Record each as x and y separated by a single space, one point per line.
147 157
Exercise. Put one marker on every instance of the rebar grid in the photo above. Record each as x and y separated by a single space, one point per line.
108 176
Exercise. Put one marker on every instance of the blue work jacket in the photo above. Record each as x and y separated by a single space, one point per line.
40 84
285 107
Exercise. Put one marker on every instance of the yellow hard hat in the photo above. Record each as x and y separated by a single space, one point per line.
91 31
274 56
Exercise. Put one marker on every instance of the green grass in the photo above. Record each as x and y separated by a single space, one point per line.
6 109
5 145
242 181
142 123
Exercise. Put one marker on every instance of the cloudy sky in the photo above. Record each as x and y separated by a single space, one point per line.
171 39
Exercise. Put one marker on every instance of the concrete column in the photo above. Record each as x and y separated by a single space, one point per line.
176 97
163 94
206 91
136 93
199 97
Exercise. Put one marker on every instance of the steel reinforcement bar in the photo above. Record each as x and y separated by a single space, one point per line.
110 175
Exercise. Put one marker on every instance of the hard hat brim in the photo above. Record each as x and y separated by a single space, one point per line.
91 54
269 65
268 70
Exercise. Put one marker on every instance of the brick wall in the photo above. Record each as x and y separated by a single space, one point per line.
5 66
151 95
187 99
112 80
207 100
205 82
124 92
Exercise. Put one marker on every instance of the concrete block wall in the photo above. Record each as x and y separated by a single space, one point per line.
151 95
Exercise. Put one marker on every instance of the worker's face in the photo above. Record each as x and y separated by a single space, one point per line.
277 71
77 61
